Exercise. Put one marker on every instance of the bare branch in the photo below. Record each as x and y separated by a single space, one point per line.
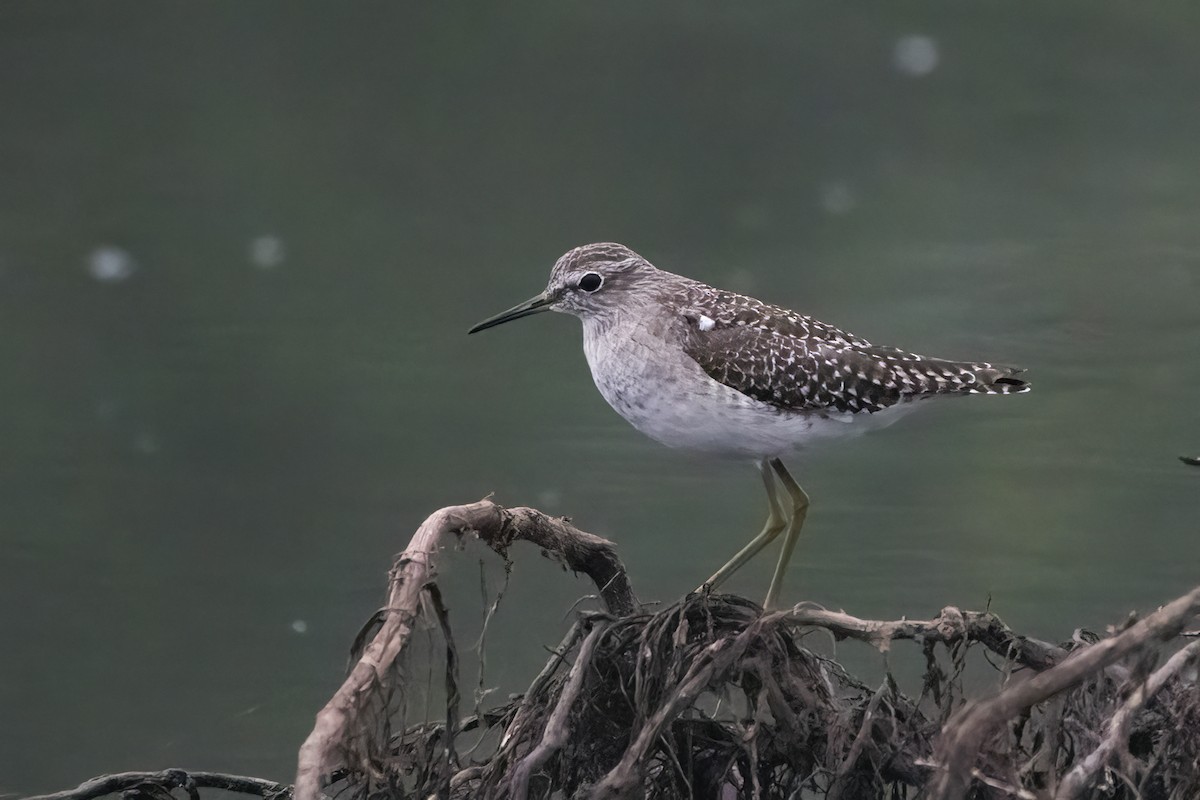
712 662
949 627
169 779
554 736
967 730
1084 774
856 747
331 742
583 552
557 659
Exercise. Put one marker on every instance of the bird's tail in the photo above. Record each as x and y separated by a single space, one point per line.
927 377
921 376
992 379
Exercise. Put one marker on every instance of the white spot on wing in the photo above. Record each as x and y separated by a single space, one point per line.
707 323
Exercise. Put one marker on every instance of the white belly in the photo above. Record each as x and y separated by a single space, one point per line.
667 396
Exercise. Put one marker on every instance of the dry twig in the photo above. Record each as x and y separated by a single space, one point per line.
556 731
951 626
168 780
337 737
1115 741
966 732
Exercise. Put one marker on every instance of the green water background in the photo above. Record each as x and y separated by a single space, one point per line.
240 245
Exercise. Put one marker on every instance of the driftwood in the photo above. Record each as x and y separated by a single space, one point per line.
1116 735
710 697
964 735
949 628
138 785
336 741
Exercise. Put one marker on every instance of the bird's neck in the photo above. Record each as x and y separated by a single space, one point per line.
624 333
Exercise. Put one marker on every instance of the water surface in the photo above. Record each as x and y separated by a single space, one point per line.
240 247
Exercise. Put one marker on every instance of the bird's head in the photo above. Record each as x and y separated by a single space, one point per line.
592 281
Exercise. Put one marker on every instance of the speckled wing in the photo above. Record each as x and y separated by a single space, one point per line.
797 363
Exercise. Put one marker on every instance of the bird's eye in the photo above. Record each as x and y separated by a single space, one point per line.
590 282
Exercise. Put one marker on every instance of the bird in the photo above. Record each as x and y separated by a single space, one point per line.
710 370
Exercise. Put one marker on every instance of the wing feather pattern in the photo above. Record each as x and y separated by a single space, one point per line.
796 363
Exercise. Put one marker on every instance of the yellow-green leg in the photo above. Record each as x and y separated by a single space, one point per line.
776 522
799 512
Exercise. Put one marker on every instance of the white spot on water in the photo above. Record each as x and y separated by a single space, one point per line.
267 252
915 55
299 626
146 443
110 264
837 198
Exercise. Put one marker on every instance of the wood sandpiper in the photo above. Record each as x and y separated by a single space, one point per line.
696 367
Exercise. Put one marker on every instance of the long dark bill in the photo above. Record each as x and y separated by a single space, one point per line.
534 305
